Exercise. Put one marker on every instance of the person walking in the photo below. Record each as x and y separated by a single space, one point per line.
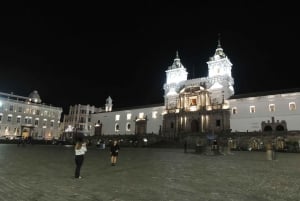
114 152
80 150
273 151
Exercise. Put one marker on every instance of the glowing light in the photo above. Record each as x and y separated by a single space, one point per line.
216 85
172 92
154 114
141 115
193 108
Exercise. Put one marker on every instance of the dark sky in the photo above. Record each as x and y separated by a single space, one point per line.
81 53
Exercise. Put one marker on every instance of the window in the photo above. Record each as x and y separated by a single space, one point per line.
117 117
81 120
44 122
52 123
234 110
218 123
26 120
117 127
292 106
18 119
141 115
11 108
20 109
128 127
272 107
193 101
9 117
128 116
29 120
252 109
36 122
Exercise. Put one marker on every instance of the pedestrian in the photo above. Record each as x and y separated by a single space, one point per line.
80 150
273 151
269 151
114 152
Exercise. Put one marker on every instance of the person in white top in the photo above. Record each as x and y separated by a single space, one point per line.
80 150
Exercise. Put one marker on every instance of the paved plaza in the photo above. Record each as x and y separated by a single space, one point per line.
45 173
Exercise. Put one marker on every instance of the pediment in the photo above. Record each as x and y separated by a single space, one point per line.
215 86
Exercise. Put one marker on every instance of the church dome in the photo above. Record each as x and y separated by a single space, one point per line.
34 97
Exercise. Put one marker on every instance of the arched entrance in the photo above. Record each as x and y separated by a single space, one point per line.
194 126
140 127
26 131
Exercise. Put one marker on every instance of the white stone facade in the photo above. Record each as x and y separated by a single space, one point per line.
248 112
131 121
79 119
219 110
27 116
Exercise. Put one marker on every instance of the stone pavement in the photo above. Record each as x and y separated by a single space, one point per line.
45 173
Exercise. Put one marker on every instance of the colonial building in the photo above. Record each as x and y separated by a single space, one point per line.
129 121
79 119
28 116
196 105
271 111
202 105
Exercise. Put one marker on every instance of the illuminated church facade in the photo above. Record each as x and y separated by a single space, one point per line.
190 105
203 105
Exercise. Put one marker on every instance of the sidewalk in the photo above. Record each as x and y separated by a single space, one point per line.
46 173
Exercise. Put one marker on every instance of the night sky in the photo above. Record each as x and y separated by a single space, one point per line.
81 53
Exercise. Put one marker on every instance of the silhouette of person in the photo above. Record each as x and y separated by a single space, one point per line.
114 152
80 150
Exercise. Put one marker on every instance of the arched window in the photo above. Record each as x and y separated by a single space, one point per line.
268 128
128 126
117 128
279 128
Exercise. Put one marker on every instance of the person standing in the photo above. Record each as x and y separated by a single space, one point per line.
114 152
269 151
80 150
273 151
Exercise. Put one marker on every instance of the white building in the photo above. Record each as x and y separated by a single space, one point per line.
184 101
79 119
205 104
28 116
266 111
131 121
